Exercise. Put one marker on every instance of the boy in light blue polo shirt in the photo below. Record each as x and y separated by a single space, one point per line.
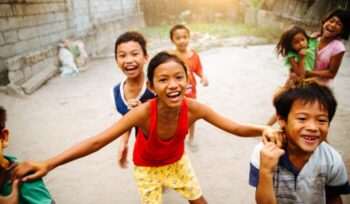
307 169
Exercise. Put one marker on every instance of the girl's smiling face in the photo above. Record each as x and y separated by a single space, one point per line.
332 27
131 59
169 83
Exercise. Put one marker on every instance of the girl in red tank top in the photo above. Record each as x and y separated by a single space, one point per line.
163 123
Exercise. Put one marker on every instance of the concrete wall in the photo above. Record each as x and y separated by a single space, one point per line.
267 19
31 29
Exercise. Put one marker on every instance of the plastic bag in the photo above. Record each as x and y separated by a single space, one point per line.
68 67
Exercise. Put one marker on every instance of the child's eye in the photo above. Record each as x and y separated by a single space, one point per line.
323 120
162 80
179 77
301 118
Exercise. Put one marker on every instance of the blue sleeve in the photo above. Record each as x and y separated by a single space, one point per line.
342 189
253 175
121 107
147 95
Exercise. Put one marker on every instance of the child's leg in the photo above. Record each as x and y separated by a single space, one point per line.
149 183
180 177
200 200
191 138
191 143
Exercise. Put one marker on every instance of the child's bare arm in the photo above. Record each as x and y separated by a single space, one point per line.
123 150
269 156
201 111
298 67
124 140
330 73
204 80
84 148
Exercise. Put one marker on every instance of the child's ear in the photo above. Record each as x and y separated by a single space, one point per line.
4 137
150 86
281 122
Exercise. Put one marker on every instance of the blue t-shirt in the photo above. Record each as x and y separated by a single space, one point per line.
121 103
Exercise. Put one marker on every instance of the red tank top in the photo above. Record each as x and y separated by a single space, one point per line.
153 151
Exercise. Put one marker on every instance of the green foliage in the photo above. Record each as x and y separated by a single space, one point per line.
255 3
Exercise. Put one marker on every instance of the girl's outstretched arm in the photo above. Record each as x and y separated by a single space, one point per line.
330 73
201 111
84 148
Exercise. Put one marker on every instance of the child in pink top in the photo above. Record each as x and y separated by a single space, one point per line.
330 50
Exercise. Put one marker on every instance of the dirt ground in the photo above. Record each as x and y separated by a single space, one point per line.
67 110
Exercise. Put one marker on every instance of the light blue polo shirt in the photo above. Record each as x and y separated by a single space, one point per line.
325 170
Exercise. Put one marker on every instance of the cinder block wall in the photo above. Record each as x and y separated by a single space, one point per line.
31 29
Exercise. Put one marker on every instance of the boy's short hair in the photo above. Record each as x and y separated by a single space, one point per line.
308 90
131 36
2 118
177 27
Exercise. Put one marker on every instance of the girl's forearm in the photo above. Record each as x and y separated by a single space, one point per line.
77 151
250 130
321 73
301 69
85 147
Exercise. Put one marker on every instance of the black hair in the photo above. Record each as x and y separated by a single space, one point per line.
131 36
308 90
344 17
177 27
161 58
284 45
3 117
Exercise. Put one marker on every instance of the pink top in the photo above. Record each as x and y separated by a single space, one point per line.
324 56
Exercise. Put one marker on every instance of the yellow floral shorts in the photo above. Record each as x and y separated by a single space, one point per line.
178 176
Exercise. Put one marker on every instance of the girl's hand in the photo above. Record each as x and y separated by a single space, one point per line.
132 103
269 156
13 197
273 136
302 53
122 156
29 171
293 76
204 80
